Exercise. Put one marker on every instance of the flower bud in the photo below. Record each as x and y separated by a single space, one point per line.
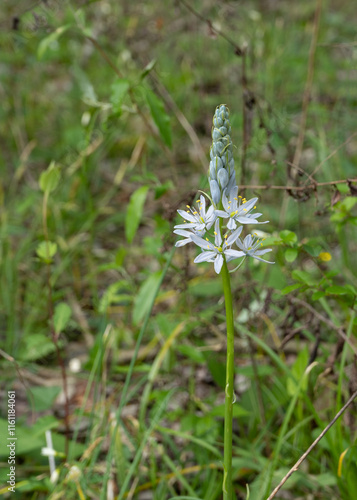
221 167
215 192
222 178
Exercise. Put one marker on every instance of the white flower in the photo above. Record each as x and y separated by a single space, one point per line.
187 236
198 222
249 247
214 253
237 209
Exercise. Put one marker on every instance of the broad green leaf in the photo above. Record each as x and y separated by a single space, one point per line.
291 254
313 250
61 316
145 296
135 212
46 42
43 397
46 250
288 237
303 277
50 178
159 116
35 346
119 90
317 295
291 288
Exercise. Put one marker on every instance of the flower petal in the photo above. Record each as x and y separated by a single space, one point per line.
202 243
217 233
181 243
205 257
202 206
221 213
185 226
187 216
235 254
182 232
243 219
232 238
262 260
231 224
218 263
262 252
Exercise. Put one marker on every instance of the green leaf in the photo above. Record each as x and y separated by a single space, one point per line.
50 178
46 42
303 277
46 250
291 288
149 67
145 296
288 237
43 397
291 254
119 90
135 212
159 116
191 352
238 411
35 346
217 370
61 316
116 293
298 370
336 290
28 438
317 295
313 250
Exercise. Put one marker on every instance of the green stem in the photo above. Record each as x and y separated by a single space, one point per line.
229 391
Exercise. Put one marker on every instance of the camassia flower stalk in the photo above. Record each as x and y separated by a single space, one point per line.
226 217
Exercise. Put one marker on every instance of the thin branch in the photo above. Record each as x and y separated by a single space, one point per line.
327 321
333 153
238 51
302 458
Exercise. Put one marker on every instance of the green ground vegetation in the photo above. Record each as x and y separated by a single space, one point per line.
105 122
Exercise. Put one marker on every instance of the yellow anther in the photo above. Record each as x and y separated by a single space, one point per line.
207 239
239 197
226 235
188 206
215 233
255 207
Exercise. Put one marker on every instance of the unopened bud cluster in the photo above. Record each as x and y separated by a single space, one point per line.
221 168
226 205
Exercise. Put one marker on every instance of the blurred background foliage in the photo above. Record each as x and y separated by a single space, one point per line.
105 122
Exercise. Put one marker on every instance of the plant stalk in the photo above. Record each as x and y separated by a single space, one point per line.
229 390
